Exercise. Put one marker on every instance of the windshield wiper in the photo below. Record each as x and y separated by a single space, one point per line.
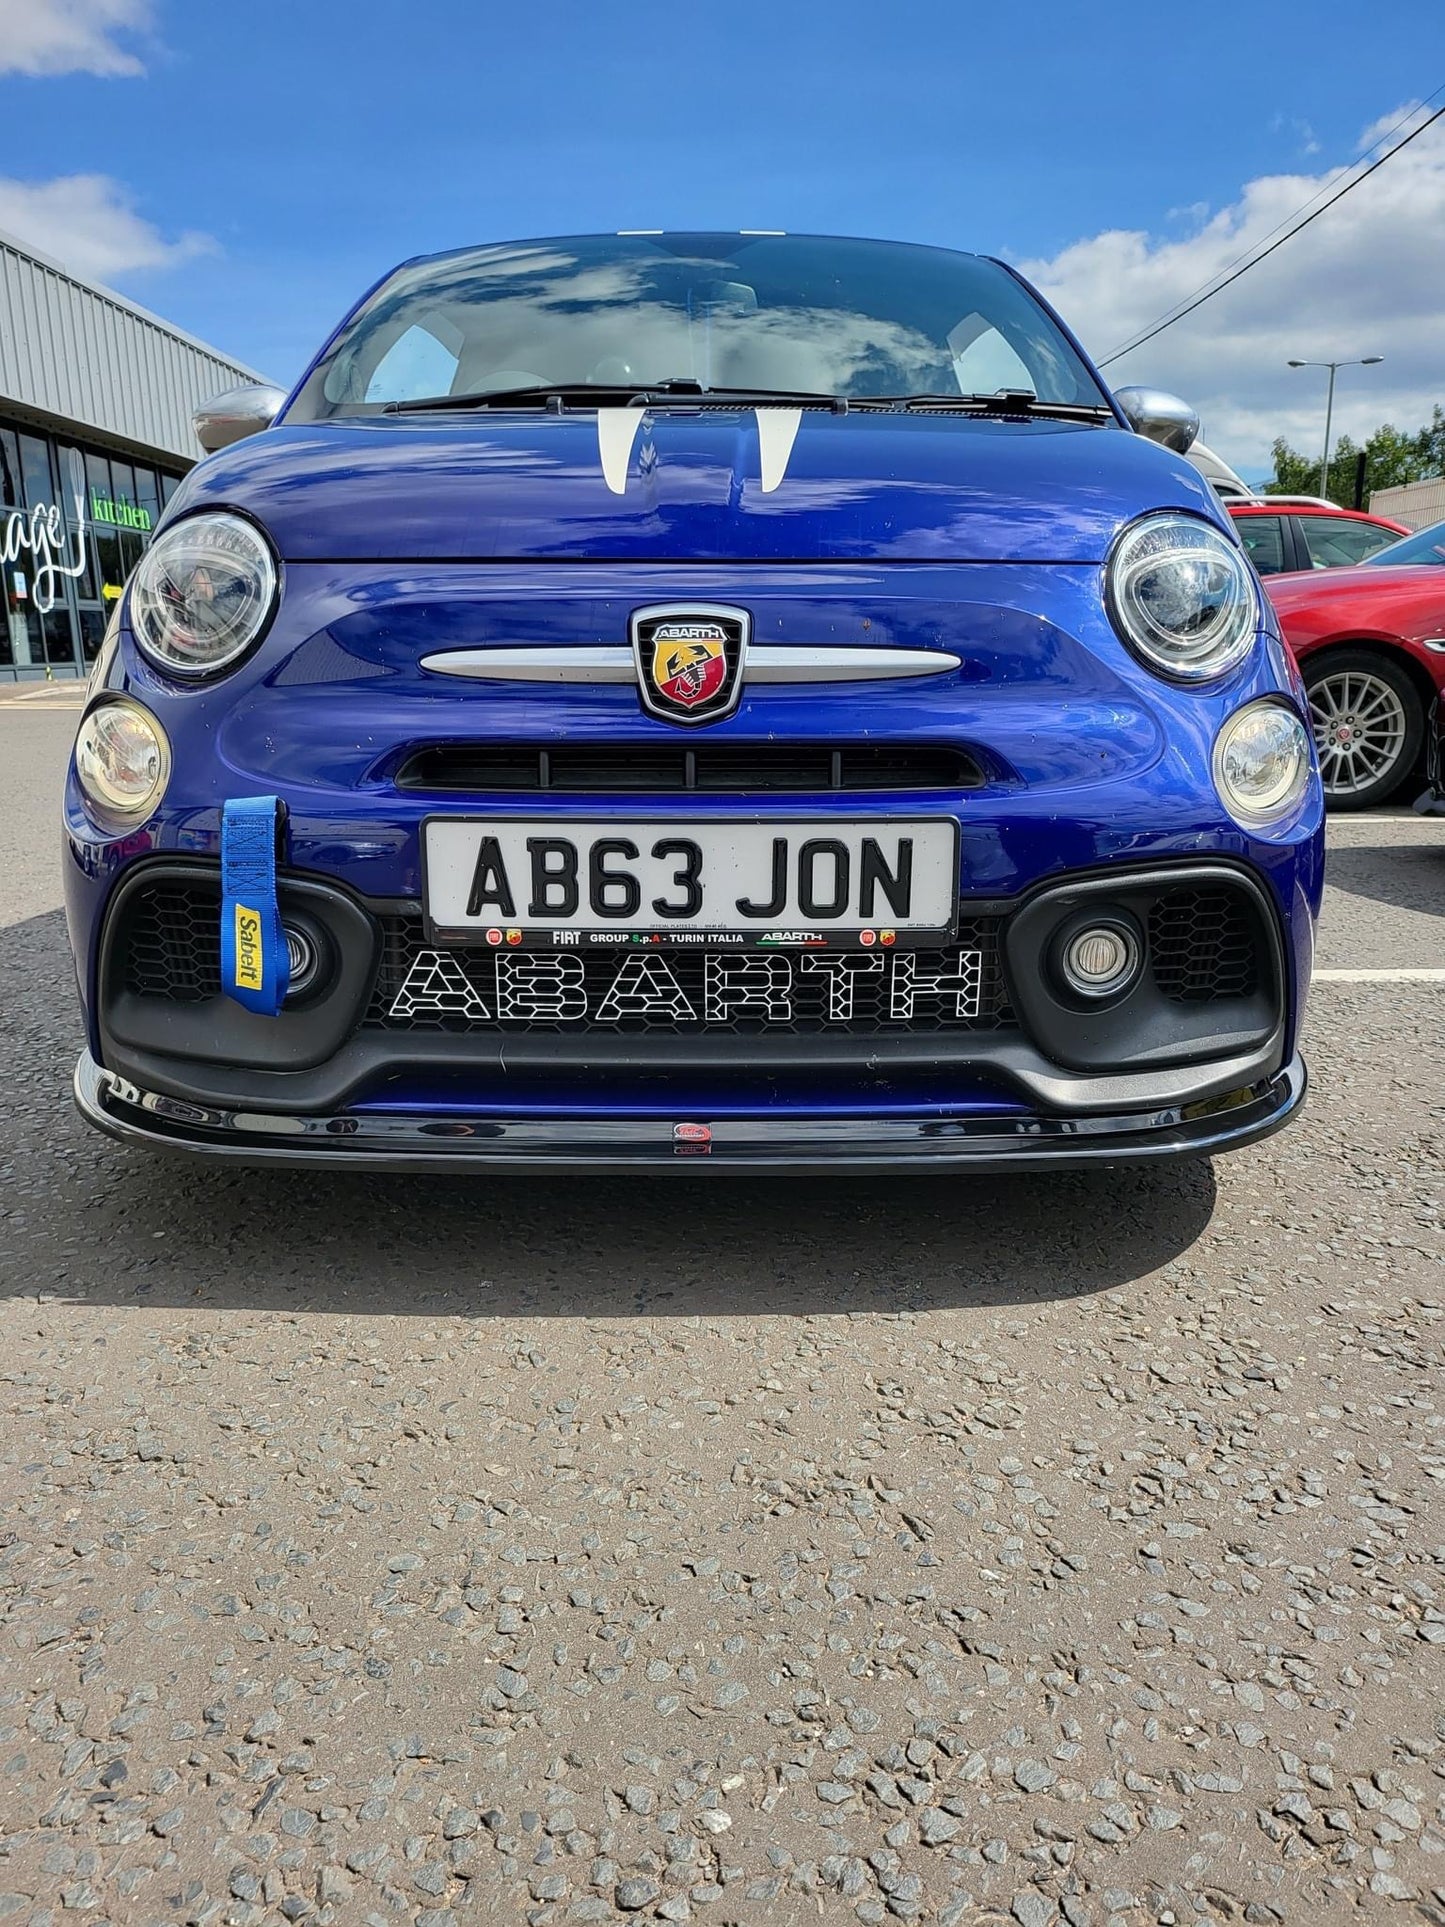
559 392
1005 401
679 389
682 390
812 397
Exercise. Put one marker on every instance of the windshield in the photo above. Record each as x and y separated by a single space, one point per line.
787 313
1427 546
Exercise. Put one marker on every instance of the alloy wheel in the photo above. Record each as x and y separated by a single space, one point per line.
1360 730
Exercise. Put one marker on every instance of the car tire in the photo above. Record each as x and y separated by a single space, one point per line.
1369 725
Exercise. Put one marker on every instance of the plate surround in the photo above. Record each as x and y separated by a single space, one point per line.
522 931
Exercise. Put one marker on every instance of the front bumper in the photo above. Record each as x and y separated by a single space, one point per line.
424 1142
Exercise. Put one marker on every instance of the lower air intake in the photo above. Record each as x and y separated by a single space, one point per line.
1204 945
651 989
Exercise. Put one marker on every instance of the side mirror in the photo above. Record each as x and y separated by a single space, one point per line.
237 413
1162 417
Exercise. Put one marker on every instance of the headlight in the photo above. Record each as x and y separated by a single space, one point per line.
1182 597
1261 762
202 593
122 759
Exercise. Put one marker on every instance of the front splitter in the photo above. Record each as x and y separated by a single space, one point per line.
778 1144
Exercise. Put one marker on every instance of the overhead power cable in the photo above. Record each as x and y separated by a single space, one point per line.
1324 187
1218 286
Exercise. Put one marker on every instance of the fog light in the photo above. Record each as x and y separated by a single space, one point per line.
1262 762
304 958
122 759
1100 959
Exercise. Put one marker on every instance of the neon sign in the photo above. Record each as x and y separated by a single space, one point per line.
121 515
41 534
55 551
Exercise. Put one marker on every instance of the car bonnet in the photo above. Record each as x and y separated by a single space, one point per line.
704 484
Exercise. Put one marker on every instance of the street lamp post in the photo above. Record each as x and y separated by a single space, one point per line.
1364 361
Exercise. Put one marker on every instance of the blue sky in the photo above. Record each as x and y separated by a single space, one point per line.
258 165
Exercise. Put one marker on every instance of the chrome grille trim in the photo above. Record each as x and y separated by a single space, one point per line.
763 663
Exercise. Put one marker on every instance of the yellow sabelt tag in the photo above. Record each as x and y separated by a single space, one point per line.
249 966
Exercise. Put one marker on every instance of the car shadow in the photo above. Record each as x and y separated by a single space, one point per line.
1406 876
118 1226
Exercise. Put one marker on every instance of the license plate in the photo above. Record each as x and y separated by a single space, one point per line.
803 881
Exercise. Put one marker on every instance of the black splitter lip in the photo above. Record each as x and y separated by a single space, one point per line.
648 1146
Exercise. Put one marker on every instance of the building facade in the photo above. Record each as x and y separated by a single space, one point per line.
1416 504
96 398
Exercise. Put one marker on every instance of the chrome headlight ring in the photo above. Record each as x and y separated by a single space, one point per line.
1262 763
203 594
122 760
1182 597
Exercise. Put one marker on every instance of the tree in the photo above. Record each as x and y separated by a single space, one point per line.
1431 442
1390 460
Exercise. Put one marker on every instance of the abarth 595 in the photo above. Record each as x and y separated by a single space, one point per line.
740 699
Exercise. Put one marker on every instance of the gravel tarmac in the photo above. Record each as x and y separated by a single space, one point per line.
1031 1551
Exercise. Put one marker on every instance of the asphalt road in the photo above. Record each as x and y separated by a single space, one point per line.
388 1550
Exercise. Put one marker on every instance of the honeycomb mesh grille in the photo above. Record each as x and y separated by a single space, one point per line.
420 988
1203 946
171 942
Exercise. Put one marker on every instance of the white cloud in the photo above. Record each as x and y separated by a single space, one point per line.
87 222
70 36
1309 142
1366 278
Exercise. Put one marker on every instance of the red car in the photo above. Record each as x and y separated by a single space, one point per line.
1371 646
1282 533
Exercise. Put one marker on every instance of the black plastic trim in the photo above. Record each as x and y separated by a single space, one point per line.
653 767
217 1032
300 1079
1141 1028
795 1146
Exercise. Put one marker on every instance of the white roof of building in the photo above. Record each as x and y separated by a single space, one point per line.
82 354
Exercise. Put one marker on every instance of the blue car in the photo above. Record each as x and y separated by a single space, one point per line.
662 699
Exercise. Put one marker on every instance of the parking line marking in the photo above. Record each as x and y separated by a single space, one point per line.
1379 977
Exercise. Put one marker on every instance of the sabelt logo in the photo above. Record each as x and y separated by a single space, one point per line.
249 967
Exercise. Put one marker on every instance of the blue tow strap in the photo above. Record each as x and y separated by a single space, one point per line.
255 965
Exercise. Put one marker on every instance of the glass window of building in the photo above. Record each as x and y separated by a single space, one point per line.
39 483
104 536
72 466
148 498
92 632
122 493
10 491
58 636
109 507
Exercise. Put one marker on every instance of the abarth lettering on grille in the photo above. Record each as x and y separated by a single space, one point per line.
535 987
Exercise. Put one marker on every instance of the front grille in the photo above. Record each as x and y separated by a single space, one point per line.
645 989
1203 946
171 944
668 768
